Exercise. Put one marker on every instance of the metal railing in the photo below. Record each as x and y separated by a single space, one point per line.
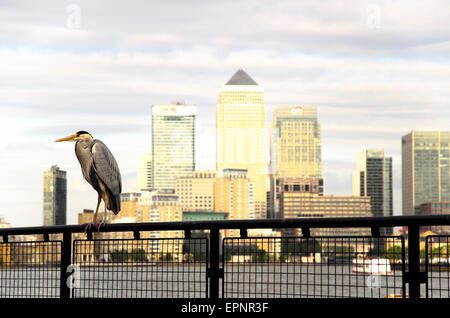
197 260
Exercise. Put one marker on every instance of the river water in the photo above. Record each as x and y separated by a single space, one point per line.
189 281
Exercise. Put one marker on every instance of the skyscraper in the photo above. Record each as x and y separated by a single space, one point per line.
55 197
295 149
144 172
172 143
373 178
425 169
241 133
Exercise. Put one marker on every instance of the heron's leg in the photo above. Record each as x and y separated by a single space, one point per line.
88 226
103 221
96 210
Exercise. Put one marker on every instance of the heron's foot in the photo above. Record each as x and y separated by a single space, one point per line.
87 227
100 224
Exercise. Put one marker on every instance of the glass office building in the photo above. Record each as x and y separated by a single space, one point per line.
172 144
425 169
373 178
55 197
296 148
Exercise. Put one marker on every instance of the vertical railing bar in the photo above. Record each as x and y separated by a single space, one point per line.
66 251
214 264
426 265
207 266
403 268
413 262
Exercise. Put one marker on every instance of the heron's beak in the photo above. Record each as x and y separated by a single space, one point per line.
68 138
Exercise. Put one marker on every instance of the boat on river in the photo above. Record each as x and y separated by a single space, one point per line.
371 266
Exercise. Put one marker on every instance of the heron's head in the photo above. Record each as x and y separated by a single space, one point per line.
79 135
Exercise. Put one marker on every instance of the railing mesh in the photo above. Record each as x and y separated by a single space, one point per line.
319 267
30 269
143 268
164 266
438 266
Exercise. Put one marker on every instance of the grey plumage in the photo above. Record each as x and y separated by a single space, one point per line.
99 168
106 169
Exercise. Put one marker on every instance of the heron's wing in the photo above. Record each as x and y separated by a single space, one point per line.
106 167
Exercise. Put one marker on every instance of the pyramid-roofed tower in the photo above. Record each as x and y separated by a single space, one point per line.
241 138
241 78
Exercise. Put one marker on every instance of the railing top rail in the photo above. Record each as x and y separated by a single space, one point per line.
238 224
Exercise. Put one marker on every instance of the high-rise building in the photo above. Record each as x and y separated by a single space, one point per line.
295 149
55 197
425 169
144 172
241 133
196 193
373 178
172 143
234 194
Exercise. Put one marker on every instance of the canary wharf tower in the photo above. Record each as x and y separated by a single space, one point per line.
241 133
172 143
296 148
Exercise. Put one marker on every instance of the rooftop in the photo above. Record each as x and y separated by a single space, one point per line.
241 78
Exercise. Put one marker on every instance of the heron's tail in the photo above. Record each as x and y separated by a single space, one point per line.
114 203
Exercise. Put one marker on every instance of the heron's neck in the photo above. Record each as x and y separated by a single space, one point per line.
84 143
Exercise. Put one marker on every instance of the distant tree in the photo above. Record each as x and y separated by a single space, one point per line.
260 256
303 246
188 258
119 255
199 257
138 255
166 257
395 252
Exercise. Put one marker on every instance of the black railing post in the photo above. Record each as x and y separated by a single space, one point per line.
415 277
214 270
66 251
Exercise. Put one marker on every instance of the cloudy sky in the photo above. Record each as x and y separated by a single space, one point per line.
375 69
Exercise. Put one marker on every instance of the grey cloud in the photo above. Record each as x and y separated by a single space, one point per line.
326 28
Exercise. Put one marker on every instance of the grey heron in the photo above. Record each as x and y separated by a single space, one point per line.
100 169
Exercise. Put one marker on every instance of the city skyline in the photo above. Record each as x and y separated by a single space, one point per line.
366 77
